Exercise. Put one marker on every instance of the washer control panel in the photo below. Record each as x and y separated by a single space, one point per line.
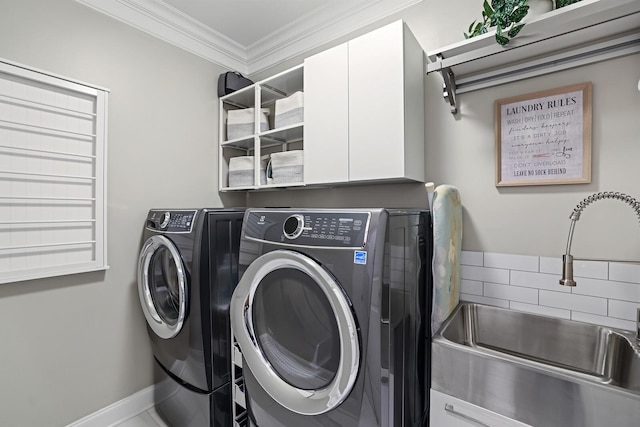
170 221
309 228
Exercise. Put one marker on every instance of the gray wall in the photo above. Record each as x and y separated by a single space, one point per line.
75 344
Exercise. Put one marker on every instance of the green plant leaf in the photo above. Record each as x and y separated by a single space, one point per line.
518 14
502 40
471 26
488 10
515 30
563 3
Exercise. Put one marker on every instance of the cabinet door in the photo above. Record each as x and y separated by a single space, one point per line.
448 411
386 105
326 117
376 105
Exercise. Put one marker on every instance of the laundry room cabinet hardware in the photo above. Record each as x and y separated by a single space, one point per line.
255 140
448 411
579 34
53 141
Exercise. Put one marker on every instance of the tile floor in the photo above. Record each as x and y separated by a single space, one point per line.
149 418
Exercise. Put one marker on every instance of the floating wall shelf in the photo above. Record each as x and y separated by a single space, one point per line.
585 32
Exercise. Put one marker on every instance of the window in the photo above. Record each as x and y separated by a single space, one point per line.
52 175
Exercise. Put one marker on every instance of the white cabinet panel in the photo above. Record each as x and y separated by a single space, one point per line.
326 117
376 109
448 411
386 105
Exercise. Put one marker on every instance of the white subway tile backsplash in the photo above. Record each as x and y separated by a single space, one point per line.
603 320
551 265
591 269
484 300
472 287
484 274
606 293
624 272
573 302
511 262
540 309
623 310
607 289
472 258
511 293
538 281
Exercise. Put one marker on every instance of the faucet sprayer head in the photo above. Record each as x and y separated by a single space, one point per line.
567 259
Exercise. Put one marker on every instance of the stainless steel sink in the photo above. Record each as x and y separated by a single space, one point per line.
539 370
598 351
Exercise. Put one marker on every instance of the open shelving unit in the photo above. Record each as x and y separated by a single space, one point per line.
585 32
258 96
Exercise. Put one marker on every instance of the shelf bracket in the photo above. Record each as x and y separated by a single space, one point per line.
449 88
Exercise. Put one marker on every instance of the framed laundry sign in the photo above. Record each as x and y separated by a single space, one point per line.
544 138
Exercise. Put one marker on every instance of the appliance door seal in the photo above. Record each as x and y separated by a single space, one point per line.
162 286
297 332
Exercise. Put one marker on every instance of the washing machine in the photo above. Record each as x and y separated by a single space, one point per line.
331 315
187 271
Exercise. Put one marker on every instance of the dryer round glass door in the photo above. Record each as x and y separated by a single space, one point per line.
296 330
162 286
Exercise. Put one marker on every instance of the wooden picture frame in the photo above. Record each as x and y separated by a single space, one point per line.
544 138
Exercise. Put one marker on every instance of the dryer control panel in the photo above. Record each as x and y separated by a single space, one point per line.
309 228
171 221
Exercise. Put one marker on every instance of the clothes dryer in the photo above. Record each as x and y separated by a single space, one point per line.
187 271
332 316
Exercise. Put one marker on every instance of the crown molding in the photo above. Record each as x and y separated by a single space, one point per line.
306 33
310 32
168 24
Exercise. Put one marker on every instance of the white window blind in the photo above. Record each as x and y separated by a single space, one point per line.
52 175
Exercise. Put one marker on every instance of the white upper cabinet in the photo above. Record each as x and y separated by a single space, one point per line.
364 109
361 118
386 106
326 116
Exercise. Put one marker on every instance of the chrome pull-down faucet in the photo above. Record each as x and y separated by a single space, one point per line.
567 259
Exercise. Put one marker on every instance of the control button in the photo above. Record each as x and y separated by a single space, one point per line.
165 219
293 226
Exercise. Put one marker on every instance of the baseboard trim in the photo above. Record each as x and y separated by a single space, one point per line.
119 411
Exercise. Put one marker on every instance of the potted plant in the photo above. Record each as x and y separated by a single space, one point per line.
506 16
563 3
